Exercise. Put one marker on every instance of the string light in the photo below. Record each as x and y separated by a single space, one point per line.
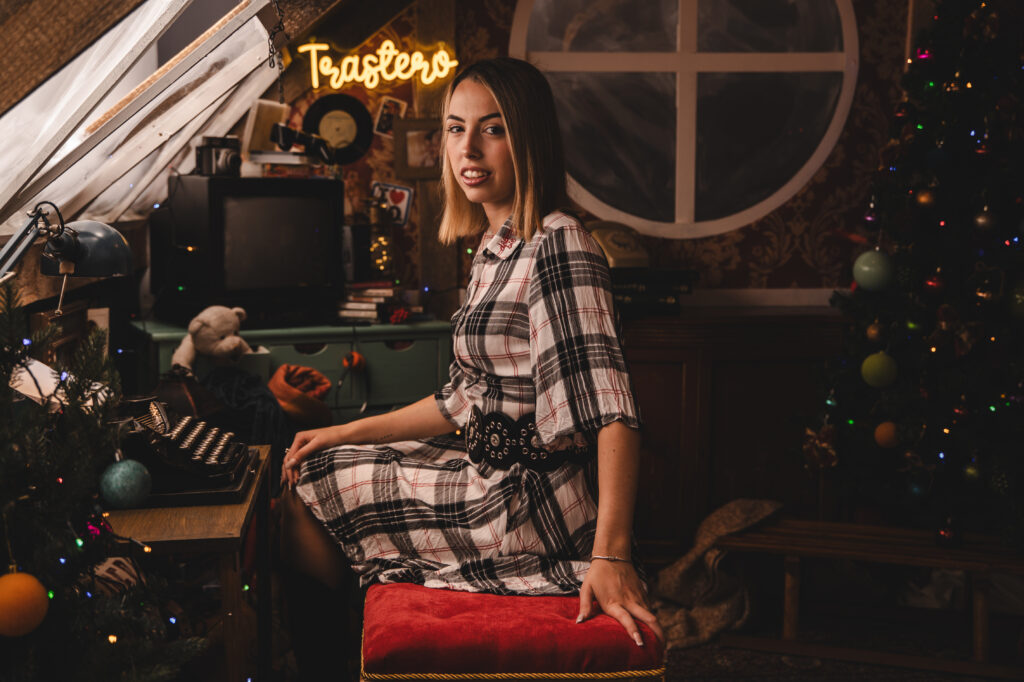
50 594
112 639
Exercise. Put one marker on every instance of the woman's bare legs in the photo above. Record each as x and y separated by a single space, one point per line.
316 582
306 546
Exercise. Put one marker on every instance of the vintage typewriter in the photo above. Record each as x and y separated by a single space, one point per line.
183 454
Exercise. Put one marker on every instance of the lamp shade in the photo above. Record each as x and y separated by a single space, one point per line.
96 249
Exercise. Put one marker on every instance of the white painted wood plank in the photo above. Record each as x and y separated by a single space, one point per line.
179 152
79 185
245 11
36 127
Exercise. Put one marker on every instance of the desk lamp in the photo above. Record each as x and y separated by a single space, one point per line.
84 248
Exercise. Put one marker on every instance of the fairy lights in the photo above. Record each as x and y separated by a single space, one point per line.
386 64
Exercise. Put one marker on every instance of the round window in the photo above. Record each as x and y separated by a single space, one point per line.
689 118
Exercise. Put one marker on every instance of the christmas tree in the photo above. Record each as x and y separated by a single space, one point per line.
924 418
73 605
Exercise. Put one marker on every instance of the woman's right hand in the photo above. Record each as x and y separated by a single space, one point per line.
306 443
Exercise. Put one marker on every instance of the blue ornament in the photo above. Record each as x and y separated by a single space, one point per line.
873 270
125 484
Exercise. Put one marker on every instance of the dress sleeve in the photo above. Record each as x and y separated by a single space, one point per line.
451 398
579 372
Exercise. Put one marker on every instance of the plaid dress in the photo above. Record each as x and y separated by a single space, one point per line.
536 334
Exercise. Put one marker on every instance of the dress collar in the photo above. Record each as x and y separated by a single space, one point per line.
504 242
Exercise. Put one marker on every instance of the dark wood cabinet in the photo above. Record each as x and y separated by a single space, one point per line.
725 395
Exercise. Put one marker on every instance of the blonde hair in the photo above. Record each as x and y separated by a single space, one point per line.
527 108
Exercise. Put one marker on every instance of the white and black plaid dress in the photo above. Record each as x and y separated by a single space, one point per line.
535 335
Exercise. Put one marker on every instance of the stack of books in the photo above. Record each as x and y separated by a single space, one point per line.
375 303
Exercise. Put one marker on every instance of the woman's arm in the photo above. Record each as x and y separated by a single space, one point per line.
418 420
615 585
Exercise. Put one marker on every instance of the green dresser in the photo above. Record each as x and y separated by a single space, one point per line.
404 362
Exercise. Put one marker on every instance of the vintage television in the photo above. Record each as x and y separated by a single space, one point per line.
271 245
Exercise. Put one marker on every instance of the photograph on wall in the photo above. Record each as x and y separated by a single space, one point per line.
418 148
391 110
398 199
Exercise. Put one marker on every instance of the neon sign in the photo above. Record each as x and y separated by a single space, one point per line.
385 64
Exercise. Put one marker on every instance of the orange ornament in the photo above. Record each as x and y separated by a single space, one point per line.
23 604
885 435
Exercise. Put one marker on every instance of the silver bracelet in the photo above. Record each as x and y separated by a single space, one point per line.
608 558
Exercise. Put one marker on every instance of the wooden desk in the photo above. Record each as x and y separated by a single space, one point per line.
793 539
217 529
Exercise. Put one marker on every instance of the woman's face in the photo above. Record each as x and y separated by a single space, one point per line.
478 150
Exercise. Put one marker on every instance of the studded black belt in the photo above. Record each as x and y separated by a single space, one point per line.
503 441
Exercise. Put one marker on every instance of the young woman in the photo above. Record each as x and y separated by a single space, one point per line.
539 397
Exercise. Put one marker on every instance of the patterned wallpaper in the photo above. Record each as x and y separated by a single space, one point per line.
811 240
378 163
808 242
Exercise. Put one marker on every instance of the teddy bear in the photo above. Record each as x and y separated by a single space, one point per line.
214 333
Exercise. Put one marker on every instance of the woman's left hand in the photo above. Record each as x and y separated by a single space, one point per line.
618 592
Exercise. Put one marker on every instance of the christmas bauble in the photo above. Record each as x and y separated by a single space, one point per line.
873 332
886 436
125 484
983 219
878 370
873 270
926 197
23 604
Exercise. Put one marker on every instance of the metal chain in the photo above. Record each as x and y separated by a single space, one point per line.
275 60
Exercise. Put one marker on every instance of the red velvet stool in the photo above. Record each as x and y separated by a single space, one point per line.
411 632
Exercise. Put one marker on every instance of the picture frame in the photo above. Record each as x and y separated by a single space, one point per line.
418 148
390 111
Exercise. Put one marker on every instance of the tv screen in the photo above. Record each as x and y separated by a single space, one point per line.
280 241
270 245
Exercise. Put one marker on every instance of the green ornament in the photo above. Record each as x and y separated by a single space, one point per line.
878 370
125 484
873 270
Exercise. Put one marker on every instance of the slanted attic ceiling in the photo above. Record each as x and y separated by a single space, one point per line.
76 139
41 36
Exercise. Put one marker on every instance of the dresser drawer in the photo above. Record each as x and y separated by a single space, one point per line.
397 372
404 363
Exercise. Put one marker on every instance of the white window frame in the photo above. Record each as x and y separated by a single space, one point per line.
686 62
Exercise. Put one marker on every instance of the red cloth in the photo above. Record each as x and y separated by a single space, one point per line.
300 392
414 629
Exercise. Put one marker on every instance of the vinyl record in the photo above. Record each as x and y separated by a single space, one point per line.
344 122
